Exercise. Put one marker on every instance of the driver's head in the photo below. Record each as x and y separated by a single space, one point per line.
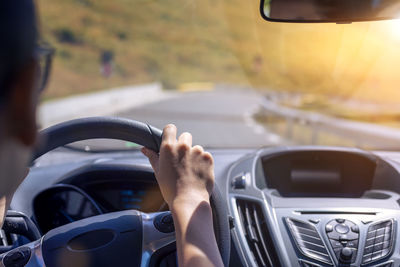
19 69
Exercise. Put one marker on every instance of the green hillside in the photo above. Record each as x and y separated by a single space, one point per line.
179 41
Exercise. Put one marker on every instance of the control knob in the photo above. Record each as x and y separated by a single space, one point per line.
345 255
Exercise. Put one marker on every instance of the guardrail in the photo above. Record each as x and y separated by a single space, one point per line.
360 134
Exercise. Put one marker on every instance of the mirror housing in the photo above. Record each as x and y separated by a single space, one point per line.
336 11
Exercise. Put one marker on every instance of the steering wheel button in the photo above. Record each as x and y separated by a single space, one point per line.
342 228
17 257
167 219
164 223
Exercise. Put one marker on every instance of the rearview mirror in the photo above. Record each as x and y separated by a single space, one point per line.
339 11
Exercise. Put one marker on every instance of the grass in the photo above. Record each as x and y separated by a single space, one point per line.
181 41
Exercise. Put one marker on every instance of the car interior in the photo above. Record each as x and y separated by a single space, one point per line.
289 205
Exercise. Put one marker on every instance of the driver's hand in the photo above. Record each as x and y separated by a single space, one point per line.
184 173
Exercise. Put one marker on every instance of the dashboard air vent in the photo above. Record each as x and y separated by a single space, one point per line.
256 232
308 240
379 242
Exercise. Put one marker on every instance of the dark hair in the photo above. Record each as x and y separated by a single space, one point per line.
18 37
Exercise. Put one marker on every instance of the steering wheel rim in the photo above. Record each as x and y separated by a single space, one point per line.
136 132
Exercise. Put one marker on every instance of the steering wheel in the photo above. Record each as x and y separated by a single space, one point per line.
125 238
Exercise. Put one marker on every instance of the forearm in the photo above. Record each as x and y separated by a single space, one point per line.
195 238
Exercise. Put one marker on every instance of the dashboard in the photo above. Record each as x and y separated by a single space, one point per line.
317 206
288 206
94 191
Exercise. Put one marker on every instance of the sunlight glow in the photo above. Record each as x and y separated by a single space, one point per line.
395 29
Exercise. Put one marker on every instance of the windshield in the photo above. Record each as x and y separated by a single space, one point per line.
221 72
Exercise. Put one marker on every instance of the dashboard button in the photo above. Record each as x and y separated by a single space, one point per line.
352 244
328 228
336 244
366 221
342 228
352 236
346 255
343 238
239 182
333 235
355 229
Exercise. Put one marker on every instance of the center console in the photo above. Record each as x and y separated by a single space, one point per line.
346 240
318 207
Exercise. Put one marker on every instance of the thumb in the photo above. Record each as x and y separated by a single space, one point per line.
152 156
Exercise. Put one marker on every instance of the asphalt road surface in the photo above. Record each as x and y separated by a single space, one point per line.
219 119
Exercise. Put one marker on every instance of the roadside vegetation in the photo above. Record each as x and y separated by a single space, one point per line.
103 44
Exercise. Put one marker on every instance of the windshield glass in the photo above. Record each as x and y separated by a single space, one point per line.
221 72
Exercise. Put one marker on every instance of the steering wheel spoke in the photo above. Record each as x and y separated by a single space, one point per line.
29 255
158 232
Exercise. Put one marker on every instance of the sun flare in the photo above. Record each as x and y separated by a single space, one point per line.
394 28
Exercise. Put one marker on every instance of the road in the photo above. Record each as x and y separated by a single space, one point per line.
219 118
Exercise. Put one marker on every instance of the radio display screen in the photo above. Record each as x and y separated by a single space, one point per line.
318 173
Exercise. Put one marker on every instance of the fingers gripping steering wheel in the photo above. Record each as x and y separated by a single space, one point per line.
125 238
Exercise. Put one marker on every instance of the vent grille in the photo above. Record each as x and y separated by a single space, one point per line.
379 242
308 240
256 232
